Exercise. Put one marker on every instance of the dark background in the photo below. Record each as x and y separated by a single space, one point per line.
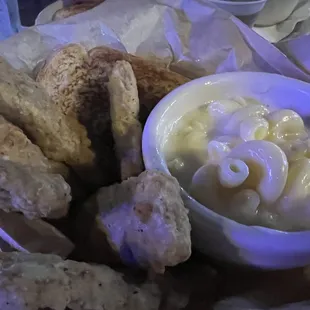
29 9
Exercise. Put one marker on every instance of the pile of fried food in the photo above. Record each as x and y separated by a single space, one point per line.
71 158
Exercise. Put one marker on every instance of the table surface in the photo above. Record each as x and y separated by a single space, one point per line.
266 289
29 9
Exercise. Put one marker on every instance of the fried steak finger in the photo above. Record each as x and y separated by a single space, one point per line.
36 281
64 76
144 220
124 111
16 147
24 103
76 80
33 192
154 79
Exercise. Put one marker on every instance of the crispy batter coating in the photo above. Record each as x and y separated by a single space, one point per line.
65 76
85 95
62 75
33 192
24 103
124 111
154 79
34 281
145 220
16 147
33 236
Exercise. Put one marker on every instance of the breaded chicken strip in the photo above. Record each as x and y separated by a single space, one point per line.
64 75
145 220
126 128
32 236
77 81
38 281
16 147
154 79
33 192
24 103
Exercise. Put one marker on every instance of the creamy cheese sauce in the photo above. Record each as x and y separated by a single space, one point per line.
244 161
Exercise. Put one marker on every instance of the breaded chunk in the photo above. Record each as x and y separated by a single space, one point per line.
35 193
86 97
126 128
16 147
38 281
24 103
144 220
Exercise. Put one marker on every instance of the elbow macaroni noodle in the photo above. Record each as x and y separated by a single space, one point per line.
232 172
217 150
285 125
253 128
253 162
240 115
268 167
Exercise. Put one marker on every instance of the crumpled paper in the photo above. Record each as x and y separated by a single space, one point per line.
297 45
290 27
193 37
292 36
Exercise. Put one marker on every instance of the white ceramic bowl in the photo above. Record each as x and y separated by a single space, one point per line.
46 15
240 7
247 11
214 234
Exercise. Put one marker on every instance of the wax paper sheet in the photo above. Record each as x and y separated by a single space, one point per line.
292 36
297 45
192 37
290 27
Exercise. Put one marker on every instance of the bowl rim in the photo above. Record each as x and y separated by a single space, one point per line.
233 3
162 107
45 16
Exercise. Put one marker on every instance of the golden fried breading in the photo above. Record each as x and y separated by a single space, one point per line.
124 111
145 220
65 77
24 103
154 80
85 95
33 192
37 281
62 75
16 147
33 236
